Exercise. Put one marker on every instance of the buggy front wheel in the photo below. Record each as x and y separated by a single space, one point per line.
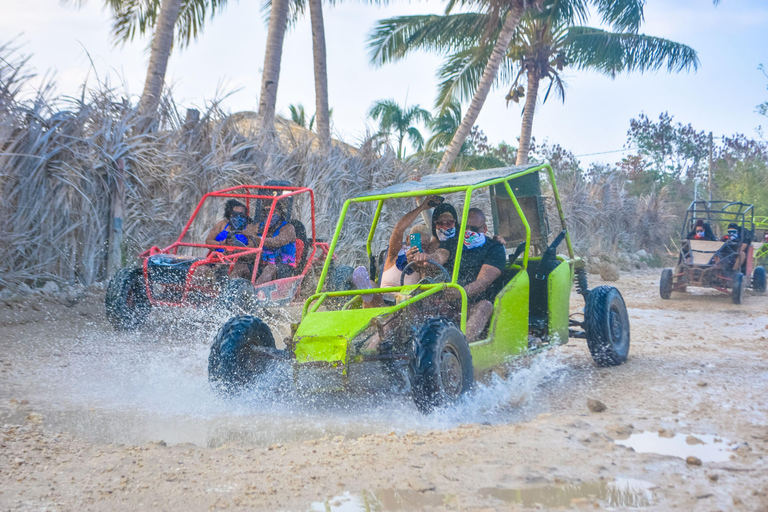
607 326
441 368
737 292
665 286
243 349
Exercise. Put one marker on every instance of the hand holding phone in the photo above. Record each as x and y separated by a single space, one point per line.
434 201
415 241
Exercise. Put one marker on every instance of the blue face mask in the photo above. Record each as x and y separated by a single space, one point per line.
238 222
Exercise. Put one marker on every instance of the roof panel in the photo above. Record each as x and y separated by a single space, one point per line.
454 179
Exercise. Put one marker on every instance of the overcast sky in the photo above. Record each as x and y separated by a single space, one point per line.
731 39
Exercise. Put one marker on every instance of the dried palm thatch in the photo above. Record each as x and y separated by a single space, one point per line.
59 171
604 218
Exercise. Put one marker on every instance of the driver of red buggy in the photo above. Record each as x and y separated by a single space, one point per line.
278 258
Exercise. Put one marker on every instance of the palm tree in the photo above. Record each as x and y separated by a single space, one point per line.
278 20
400 120
480 41
171 21
321 73
444 126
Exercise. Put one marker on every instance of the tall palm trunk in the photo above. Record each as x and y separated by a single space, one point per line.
162 42
530 108
322 115
277 24
486 81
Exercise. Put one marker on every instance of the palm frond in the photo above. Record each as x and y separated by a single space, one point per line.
394 38
461 73
621 15
139 17
612 53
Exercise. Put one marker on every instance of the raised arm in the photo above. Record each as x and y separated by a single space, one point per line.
396 239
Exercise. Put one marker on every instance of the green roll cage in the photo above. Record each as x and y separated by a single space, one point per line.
430 289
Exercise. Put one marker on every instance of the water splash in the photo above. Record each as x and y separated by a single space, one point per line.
151 385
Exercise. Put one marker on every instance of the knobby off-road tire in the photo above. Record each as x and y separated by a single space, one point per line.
126 304
737 292
759 280
238 297
665 285
236 357
440 368
607 326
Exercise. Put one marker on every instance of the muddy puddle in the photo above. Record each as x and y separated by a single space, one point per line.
707 448
138 387
621 493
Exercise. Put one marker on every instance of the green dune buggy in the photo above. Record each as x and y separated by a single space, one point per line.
420 332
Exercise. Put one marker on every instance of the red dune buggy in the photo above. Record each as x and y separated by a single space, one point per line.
195 274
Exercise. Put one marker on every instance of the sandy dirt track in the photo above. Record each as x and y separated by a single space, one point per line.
92 420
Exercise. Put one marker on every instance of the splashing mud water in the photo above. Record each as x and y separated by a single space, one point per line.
151 385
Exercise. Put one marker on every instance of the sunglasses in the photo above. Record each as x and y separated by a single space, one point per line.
449 222
699 232
476 229
733 232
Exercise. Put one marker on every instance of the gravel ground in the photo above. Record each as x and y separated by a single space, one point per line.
94 420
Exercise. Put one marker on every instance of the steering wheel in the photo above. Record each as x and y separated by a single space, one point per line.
443 277
234 242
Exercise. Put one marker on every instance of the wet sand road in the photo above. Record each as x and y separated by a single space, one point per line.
82 409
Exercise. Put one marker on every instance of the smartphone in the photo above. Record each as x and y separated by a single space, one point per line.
415 240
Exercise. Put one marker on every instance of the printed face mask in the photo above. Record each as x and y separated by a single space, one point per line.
445 234
472 239
699 234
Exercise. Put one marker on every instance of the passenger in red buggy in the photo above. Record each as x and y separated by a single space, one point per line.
278 257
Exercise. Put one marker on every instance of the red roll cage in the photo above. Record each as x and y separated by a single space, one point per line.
233 253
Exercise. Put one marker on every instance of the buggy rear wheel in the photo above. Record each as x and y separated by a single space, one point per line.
126 304
759 282
243 349
665 286
737 292
607 326
441 368
238 297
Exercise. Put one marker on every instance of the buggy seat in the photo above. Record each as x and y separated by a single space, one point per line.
702 251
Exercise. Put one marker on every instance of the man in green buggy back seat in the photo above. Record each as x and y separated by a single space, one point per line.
482 261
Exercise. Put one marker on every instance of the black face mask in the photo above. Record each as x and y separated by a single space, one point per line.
238 222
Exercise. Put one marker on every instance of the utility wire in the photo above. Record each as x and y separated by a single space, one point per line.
607 152
628 149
